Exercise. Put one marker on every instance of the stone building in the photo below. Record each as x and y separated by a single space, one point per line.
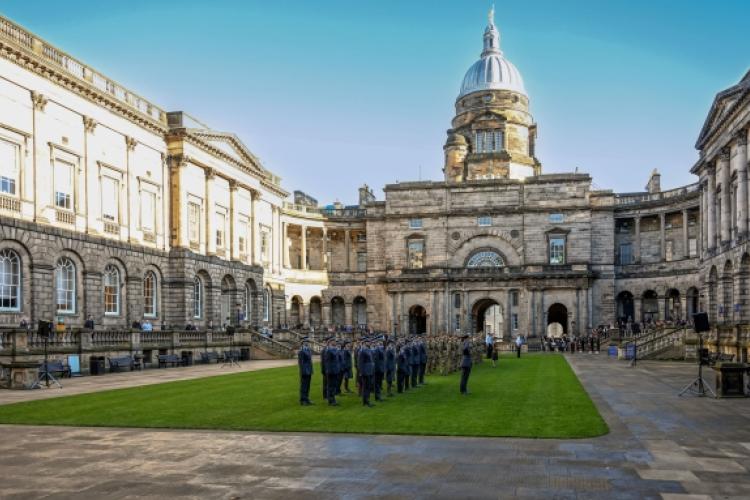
114 208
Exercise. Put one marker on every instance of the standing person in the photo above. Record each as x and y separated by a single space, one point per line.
304 360
519 343
378 369
332 371
323 368
465 364
390 367
414 362
402 376
358 379
422 350
366 369
489 341
347 366
495 354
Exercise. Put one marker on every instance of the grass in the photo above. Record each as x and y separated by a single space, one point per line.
537 396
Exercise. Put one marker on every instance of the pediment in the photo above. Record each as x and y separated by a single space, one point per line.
230 145
724 104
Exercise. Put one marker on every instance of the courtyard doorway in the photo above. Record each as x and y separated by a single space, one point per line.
557 320
228 290
417 320
625 307
487 317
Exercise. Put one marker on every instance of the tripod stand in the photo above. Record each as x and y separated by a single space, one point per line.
230 361
698 387
44 373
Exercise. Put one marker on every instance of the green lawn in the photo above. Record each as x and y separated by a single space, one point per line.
537 396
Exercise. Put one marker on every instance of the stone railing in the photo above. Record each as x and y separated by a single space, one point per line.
272 346
634 198
73 67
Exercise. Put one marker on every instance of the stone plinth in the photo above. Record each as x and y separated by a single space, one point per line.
22 373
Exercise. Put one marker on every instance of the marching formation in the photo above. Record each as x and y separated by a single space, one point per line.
381 363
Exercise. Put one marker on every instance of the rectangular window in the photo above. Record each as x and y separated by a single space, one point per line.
241 244
416 254
361 261
693 246
669 250
556 218
514 321
63 181
626 254
148 211
194 222
361 237
499 143
484 221
221 220
556 250
457 300
415 223
514 298
110 199
478 141
264 246
8 167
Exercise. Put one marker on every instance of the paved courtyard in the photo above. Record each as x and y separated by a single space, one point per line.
660 446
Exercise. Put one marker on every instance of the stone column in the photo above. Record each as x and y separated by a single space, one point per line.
325 311
233 244
403 319
347 244
210 236
467 314
542 313
325 249
663 236
685 235
637 310
726 218
742 207
285 243
182 217
394 313
711 202
703 218
589 308
637 250
254 240
303 247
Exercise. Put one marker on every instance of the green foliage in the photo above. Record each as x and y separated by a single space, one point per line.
535 396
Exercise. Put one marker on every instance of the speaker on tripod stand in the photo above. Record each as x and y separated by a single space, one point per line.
44 330
231 360
699 387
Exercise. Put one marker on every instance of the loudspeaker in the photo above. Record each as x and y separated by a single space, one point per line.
700 322
44 328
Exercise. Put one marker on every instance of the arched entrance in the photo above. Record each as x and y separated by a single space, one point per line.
487 317
673 311
557 320
338 311
417 320
315 312
359 312
650 306
226 302
727 293
625 307
296 313
692 303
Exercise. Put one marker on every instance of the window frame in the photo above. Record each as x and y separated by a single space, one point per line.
409 241
416 223
15 180
197 298
110 270
16 280
154 302
484 221
564 254
69 197
194 206
66 264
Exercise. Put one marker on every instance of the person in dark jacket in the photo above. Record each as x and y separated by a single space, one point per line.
333 367
347 366
323 369
465 364
342 366
390 366
304 360
402 375
378 369
414 362
366 370
422 350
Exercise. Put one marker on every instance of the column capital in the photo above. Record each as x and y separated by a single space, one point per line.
39 101
724 154
233 185
741 137
89 124
209 172
130 143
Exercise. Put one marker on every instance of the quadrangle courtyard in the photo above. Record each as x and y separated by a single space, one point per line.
659 445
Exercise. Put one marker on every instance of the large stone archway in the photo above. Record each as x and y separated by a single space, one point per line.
417 320
487 316
557 314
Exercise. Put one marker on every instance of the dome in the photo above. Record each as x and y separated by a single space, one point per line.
492 71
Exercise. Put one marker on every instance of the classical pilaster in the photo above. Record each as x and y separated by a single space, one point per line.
347 244
711 202
285 243
703 218
662 236
685 236
637 249
130 191
233 203
741 163
210 236
726 209
325 250
303 246
254 239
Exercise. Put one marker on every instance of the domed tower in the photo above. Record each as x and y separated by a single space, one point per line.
493 132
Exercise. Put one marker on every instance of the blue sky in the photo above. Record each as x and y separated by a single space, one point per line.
333 94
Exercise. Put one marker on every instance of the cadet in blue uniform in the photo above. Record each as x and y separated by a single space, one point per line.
342 367
465 364
332 371
390 366
402 376
414 362
366 370
323 368
422 349
304 360
378 369
347 365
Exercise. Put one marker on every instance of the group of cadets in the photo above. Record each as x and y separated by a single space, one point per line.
371 361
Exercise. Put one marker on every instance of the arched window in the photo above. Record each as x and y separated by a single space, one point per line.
111 290
248 302
485 258
266 304
197 298
65 286
10 281
149 295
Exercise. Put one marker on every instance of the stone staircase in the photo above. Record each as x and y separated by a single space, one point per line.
662 343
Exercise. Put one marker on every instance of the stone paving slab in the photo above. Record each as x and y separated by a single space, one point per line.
660 446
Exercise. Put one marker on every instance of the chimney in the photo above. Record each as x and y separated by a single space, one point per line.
365 195
654 182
